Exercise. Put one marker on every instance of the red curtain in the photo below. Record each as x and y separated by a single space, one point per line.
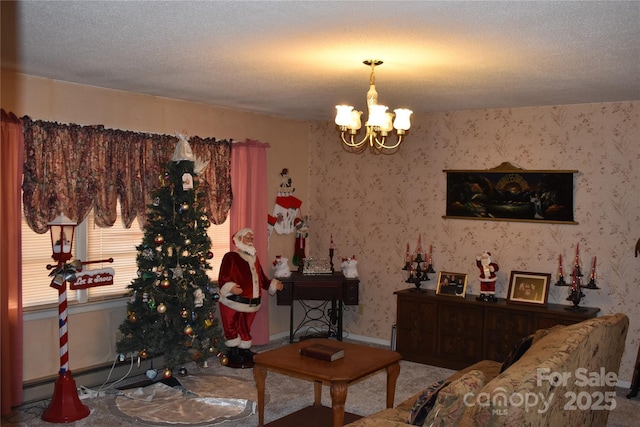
11 153
249 209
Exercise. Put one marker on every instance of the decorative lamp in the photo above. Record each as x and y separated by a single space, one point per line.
62 230
380 123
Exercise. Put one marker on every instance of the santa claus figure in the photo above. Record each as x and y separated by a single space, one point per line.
241 281
487 277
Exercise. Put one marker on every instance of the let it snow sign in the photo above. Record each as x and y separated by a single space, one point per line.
93 278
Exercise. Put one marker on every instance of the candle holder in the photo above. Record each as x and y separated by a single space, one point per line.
331 259
576 286
417 273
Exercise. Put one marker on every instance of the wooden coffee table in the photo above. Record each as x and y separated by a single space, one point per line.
359 362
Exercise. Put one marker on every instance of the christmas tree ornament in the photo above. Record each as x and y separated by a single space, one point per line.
224 360
161 308
177 272
144 354
187 241
133 318
165 283
184 207
208 323
182 371
186 253
151 304
197 355
151 374
159 239
188 330
184 313
212 350
216 296
209 255
167 373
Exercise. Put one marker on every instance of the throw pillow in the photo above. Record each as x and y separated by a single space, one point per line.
450 403
541 333
424 403
518 350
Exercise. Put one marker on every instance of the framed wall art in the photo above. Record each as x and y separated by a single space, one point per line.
452 284
509 193
529 288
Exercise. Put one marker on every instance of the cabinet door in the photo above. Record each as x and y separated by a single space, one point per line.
416 329
503 328
460 334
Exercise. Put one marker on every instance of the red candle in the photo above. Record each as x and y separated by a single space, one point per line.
561 273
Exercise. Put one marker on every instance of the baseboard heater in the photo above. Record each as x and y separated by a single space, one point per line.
40 389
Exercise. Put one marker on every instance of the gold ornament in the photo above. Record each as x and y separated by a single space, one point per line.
133 318
165 283
208 323
185 206
167 373
184 313
224 360
188 330
212 350
144 354
159 239
161 308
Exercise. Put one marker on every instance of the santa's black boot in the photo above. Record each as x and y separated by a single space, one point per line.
238 358
247 357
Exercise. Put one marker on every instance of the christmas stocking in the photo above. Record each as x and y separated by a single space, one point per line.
285 212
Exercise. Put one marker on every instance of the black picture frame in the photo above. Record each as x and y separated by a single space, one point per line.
452 284
509 193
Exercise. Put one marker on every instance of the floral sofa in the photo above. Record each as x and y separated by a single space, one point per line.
562 376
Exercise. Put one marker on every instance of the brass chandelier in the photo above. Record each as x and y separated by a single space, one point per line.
380 123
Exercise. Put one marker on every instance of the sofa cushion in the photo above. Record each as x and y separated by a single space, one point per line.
425 402
450 403
518 350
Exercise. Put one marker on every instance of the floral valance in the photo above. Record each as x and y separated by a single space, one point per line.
71 169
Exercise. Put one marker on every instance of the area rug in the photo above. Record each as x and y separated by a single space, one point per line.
195 400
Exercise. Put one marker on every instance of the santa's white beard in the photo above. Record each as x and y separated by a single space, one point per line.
249 250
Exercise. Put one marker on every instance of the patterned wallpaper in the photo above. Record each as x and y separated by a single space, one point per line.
374 205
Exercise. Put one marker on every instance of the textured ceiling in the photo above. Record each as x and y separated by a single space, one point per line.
299 59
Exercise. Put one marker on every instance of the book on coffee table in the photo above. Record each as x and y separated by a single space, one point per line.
322 352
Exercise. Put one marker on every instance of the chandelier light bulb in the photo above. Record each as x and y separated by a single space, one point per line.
403 121
343 115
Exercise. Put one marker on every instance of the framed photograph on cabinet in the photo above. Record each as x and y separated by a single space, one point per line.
452 284
529 288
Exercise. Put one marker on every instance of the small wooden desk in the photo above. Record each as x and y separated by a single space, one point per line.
359 362
330 288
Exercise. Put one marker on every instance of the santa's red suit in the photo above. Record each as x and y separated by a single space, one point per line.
238 311
487 273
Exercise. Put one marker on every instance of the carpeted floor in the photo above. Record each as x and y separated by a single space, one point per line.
287 395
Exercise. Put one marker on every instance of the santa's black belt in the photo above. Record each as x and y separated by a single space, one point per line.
244 300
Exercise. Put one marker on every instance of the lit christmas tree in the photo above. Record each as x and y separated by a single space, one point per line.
171 310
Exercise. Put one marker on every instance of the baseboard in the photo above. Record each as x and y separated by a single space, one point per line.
93 377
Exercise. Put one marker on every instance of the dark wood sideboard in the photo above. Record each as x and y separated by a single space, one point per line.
455 332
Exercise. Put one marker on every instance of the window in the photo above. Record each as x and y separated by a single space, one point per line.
93 243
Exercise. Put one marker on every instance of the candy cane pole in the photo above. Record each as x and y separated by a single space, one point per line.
65 404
